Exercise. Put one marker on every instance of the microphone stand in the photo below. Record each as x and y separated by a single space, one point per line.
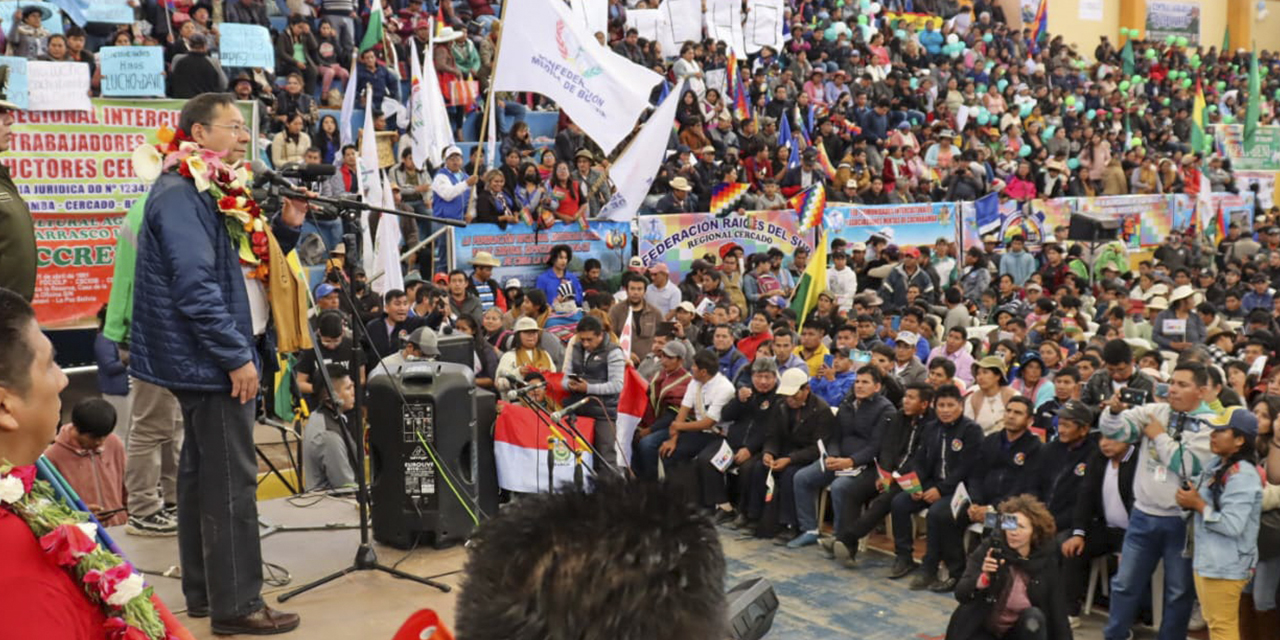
366 558
578 445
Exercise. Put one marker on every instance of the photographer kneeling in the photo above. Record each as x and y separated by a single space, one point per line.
1010 588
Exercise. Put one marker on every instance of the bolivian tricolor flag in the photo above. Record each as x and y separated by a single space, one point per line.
813 282
824 160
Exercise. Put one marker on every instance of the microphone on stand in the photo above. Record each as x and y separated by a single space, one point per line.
262 175
557 416
519 387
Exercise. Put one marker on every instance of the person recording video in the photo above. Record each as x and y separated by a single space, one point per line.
1010 586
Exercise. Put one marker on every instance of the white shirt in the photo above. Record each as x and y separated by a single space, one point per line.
708 400
1112 506
259 307
665 299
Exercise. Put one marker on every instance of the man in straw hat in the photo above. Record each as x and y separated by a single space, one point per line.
680 199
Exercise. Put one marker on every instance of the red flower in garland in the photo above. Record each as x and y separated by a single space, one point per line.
27 474
66 544
227 202
107 581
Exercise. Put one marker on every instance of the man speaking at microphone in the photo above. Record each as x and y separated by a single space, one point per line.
204 301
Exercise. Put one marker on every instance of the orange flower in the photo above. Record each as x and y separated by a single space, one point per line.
165 134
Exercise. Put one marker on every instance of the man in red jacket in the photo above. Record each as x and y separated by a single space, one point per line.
41 600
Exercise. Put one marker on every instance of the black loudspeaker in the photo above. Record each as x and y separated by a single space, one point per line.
456 348
1086 229
411 501
751 606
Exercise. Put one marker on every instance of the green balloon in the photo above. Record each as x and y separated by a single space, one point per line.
1173 75
900 34
1137 79
1195 64
1151 54
1026 110
1212 107
1221 85
1024 151
983 119
1164 102
1124 85
1001 84
862 19
1073 164
1263 70
1228 118
1182 41
1186 83
1071 100
1091 114
1277 94
1171 40
988 38
914 83
1136 142
1124 32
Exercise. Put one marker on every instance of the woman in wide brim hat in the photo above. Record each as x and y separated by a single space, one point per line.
1178 328
986 405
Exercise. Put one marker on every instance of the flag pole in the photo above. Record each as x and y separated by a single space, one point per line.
490 103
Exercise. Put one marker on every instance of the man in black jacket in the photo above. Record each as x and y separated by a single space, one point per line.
386 332
849 453
1101 515
1062 462
898 445
791 445
750 414
947 456
1004 470
194 73
1117 357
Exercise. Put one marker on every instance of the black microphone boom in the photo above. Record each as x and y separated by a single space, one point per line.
310 172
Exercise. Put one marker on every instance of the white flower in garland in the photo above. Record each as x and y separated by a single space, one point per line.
11 490
127 590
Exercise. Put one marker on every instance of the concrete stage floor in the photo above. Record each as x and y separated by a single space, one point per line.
819 600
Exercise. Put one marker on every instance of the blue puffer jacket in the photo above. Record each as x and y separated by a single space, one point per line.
191 321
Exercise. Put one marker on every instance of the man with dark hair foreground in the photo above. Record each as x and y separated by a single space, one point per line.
627 561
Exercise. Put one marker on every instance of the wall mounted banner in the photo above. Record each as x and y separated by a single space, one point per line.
903 225
74 171
523 253
1178 19
677 239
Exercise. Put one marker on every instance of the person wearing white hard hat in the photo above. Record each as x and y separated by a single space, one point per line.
1178 328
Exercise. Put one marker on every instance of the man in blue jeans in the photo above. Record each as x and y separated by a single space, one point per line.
1173 448
861 421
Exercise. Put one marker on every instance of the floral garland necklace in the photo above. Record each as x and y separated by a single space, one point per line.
70 541
226 183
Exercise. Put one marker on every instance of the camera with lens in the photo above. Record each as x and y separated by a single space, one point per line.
994 526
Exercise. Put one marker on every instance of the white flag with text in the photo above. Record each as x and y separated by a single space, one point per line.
551 53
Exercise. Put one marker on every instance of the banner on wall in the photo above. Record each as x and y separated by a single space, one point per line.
1260 154
1237 209
679 238
1178 19
74 170
1268 194
903 225
523 253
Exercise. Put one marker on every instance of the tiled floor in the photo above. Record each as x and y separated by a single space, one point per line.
819 600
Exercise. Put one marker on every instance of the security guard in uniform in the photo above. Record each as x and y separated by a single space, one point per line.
17 229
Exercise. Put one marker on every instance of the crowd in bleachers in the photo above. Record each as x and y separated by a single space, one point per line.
1107 416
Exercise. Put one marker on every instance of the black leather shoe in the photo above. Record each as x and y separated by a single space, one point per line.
923 580
198 612
901 567
944 586
263 622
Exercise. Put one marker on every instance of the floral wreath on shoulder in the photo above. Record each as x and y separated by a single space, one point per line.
70 541
245 223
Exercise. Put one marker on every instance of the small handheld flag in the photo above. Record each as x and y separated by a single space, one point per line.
824 160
